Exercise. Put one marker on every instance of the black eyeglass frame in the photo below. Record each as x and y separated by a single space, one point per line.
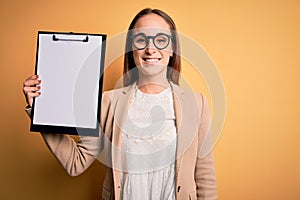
153 39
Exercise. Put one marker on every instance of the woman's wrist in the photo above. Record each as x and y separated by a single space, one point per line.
28 110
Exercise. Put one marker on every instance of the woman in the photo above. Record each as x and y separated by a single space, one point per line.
153 131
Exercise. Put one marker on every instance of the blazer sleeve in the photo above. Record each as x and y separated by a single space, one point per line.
75 157
205 171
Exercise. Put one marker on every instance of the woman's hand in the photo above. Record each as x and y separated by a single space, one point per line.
31 88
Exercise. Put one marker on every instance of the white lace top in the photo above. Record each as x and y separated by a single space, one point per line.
149 146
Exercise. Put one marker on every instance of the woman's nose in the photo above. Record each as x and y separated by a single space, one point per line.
150 47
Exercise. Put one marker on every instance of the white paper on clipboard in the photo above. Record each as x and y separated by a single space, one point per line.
70 70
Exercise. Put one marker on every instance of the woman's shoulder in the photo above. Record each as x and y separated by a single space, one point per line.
188 92
114 93
116 90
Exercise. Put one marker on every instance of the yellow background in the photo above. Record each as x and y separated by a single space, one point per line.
256 46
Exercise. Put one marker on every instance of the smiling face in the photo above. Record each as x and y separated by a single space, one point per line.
152 60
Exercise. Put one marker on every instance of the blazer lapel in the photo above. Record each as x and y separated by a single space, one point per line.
177 99
122 100
124 96
187 122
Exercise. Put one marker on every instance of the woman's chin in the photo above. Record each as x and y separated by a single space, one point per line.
151 69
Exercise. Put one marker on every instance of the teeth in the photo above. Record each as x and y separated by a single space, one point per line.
152 59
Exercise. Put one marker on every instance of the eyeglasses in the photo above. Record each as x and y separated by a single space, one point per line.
160 40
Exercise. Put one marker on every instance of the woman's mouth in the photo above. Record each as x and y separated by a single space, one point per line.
151 60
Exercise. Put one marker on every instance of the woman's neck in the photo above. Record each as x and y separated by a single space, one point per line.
152 84
152 88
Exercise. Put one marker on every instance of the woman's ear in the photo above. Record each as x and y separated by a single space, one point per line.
171 52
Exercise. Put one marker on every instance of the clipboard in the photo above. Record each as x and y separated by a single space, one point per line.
71 67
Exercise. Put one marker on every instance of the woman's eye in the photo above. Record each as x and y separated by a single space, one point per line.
140 40
161 40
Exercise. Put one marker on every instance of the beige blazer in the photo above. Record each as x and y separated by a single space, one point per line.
195 173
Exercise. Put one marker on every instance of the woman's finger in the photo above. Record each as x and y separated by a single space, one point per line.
33 94
32 82
31 89
32 77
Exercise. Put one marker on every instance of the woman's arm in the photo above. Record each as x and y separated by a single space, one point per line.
205 171
74 157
